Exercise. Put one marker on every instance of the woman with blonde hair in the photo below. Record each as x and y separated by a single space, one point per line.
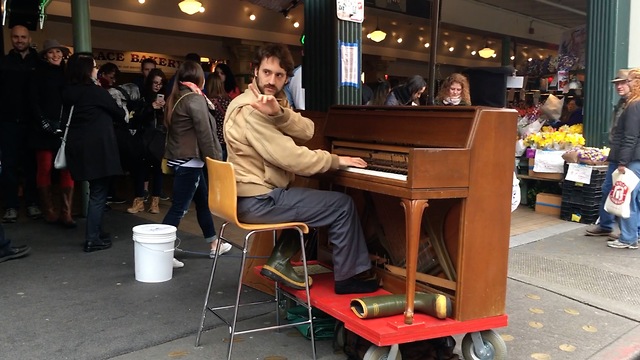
454 91
625 156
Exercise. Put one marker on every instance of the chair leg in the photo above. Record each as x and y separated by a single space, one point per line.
277 286
306 286
232 331
205 308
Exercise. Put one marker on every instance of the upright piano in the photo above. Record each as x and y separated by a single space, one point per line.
446 172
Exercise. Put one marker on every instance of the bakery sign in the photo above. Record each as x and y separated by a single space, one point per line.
129 61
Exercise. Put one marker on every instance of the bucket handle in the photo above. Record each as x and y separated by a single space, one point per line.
177 240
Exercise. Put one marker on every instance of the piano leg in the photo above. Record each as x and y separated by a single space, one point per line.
413 210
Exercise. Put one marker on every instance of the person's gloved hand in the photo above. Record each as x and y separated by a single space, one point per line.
50 127
46 125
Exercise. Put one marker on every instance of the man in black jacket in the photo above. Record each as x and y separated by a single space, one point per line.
16 69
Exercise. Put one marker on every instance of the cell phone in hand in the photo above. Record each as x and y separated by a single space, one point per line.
160 97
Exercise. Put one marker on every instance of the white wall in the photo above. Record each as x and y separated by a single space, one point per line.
480 16
634 39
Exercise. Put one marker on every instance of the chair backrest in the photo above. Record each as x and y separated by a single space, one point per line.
223 194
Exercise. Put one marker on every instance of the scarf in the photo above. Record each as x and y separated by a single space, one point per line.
193 87
451 101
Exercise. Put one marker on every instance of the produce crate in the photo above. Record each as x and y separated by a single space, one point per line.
579 213
598 174
580 195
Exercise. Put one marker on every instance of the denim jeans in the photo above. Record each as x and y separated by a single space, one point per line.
607 220
629 227
98 190
191 184
17 159
141 174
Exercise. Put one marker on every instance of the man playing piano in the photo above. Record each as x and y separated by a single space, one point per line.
264 142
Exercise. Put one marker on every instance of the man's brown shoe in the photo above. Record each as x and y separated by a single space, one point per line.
596 230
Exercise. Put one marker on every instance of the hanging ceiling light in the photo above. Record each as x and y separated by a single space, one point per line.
190 6
486 52
377 35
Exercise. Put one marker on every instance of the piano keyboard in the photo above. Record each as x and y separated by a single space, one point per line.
377 173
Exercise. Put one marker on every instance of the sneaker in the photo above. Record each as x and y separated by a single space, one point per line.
596 230
14 252
164 197
146 196
614 236
224 248
115 200
10 215
616 244
177 264
33 211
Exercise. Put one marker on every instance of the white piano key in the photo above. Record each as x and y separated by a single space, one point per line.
377 173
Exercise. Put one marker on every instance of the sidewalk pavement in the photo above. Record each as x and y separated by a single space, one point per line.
569 296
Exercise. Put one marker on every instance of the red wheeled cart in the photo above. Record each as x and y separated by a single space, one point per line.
386 333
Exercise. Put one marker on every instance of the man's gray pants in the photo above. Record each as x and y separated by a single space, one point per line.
316 208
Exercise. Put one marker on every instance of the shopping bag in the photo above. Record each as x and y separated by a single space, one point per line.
60 161
323 324
515 193
618 201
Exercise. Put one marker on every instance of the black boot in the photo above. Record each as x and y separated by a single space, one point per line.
278 266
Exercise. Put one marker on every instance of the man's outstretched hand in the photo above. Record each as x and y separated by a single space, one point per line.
266 104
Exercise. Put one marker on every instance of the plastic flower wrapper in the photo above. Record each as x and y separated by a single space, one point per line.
566 62
592 156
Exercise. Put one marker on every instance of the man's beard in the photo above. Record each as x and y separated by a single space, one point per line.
273 90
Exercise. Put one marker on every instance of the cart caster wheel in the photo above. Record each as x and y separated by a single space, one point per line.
381 353
494 347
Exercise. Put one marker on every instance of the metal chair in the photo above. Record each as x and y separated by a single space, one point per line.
223 204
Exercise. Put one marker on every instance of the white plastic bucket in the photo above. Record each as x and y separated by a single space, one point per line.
153 250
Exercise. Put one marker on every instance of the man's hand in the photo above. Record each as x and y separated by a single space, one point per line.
266 104
352 161
621 169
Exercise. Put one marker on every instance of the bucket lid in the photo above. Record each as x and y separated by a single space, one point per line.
154 229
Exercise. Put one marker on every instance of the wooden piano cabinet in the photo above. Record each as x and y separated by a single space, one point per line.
459 154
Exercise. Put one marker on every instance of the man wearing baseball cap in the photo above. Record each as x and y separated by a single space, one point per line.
605 227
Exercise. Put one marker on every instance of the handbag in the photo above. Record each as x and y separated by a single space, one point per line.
154 140
618 201
60 161
164 163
